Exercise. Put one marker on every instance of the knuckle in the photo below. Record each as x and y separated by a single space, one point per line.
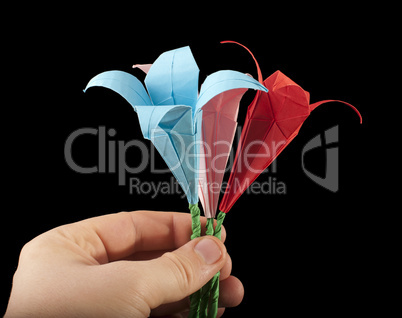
183 270
31 249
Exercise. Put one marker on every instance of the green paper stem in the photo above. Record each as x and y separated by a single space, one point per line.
213 306
196 228
204 302
218 228
210 227
206 289
195 220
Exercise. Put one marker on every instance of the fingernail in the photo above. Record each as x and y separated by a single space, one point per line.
208 250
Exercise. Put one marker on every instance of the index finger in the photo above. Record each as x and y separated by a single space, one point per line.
116 236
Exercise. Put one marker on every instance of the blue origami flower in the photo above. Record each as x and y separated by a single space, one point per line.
170 109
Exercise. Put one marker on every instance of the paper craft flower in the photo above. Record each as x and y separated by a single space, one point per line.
273 119
170 110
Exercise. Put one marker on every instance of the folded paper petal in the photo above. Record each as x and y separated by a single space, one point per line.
171 131
173 78
124 84
219 124
143 67
222 81
219 99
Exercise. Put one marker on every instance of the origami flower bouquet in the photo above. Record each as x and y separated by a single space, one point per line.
193 132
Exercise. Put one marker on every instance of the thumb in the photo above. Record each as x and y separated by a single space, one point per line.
178 274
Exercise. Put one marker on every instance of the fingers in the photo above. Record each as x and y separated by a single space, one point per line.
117 236
231 293
148 255
175 275
226 269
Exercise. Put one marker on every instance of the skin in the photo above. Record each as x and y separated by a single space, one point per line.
129 264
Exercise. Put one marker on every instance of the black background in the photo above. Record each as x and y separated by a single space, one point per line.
305 251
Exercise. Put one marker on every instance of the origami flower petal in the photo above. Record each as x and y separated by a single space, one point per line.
143 67
219 99
171 131
219 124
222 81
173 78
124 84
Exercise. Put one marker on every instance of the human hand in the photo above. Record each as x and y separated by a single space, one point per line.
129 264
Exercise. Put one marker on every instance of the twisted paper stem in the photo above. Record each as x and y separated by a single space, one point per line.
213 307
204 302
210 227
206 289
195 220
196 228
